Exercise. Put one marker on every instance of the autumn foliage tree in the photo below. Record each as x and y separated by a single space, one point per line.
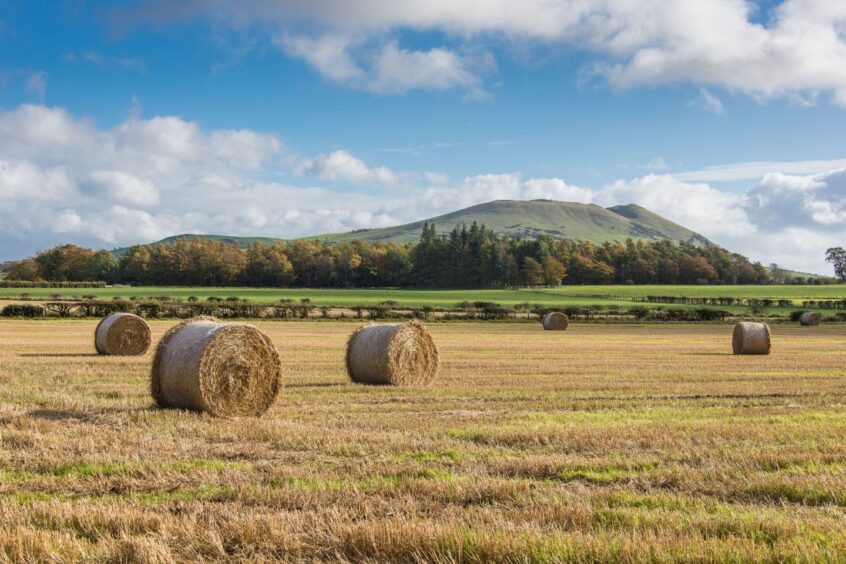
465 257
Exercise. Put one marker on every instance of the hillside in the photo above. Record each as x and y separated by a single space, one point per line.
515 218
525 219
519 218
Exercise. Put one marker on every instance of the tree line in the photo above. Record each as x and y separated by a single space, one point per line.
467 257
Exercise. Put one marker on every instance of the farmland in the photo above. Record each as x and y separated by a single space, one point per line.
621 296
646 442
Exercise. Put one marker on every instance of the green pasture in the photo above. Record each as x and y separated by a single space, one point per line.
620 296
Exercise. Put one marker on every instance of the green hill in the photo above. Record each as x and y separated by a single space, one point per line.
525 219
516 218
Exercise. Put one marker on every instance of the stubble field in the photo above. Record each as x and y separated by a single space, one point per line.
628 442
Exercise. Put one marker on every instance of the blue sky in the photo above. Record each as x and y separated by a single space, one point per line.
127 121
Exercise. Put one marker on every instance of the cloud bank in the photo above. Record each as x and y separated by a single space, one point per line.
62 179
796 49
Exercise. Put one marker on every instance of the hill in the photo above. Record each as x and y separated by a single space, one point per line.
515 218
526 219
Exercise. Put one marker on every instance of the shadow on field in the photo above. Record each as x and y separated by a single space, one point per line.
66 415
316 385
707 354
58 355
59 415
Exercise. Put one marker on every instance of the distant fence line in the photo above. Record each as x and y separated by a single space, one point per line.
46 284
720 301
232 308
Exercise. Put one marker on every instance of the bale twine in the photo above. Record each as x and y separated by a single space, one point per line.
810 319
392 353
751 338
122 334
555 321
225 369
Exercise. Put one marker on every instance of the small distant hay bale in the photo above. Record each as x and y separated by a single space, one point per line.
122 334
225 369
810 319
751 338
399 354
555 321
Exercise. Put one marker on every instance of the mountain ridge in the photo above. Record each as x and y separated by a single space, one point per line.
530 218
514 218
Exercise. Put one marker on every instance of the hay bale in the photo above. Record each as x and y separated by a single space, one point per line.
810 319
122 334
751 338
225 369
555 321
392 353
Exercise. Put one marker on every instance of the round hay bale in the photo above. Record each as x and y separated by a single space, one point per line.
225 369
751 338
392 353
122 334
810 319
555 321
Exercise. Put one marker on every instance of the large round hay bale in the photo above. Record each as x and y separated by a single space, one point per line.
225 369
392 353
122 334
555 321
751 338
810 319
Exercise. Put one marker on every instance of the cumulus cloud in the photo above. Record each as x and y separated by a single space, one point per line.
387 68
486 187
700 207
341 165
797 49
782 200
789 219
62 179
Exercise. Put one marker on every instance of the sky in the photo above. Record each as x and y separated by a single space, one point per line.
126 122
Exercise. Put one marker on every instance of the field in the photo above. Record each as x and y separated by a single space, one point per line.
623 442
561 296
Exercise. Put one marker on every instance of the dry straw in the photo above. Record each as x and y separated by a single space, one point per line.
751 338
225 369
555 321
810 319
122 334
392 353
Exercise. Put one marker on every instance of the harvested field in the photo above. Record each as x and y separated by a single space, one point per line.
623 442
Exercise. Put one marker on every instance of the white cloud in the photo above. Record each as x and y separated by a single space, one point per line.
341 165
36 84
757 170
125 188
105 61
797 51
25 180
64 180
700 207
400 70
708 102
784 218
486 187
387 68
328 54
657 164
817 201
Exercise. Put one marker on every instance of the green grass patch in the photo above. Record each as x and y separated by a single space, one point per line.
426 456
